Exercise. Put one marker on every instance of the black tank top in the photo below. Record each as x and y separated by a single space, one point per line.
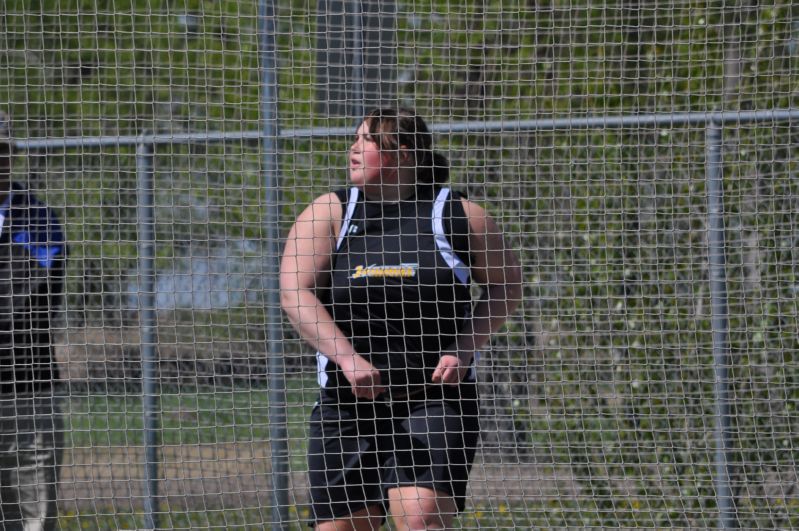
399 286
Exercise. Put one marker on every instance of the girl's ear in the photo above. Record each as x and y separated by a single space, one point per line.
400 157
390 159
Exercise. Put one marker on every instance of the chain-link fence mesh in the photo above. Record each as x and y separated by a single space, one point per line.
599 398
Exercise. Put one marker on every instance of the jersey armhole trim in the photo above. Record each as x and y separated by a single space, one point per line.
457 227
460 269
352 202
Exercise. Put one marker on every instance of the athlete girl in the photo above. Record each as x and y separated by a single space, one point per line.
377 279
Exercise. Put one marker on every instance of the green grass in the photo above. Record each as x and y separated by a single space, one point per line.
188 417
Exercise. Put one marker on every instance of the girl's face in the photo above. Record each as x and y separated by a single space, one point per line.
368 164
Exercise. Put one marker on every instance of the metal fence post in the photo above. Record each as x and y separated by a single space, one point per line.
146 297
278 433
719 323
358 78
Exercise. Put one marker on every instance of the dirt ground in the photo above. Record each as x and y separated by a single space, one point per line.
233 476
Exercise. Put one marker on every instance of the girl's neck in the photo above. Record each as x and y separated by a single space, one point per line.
392 193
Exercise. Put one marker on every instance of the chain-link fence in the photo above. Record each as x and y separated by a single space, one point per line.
640 159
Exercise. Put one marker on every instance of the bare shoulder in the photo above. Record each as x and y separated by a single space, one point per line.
321 216
493 261
325 207
480 221
310 243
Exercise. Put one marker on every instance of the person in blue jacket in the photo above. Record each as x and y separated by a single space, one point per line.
378 279
32 260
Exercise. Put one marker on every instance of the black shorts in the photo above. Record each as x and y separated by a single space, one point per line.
358 451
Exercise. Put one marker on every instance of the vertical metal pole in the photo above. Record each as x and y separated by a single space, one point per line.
275 365
358 77
150 396
720 324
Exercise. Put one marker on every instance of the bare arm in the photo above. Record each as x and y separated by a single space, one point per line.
305 264
496 268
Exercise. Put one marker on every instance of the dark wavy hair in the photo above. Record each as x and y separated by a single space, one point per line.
403 127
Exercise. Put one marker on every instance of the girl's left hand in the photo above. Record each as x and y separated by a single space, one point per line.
450 370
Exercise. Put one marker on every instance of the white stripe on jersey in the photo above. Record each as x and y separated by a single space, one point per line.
452 260
321 369
352 202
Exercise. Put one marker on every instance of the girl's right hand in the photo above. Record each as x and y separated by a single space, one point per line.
362 376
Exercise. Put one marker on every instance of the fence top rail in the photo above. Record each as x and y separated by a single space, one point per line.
494 126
